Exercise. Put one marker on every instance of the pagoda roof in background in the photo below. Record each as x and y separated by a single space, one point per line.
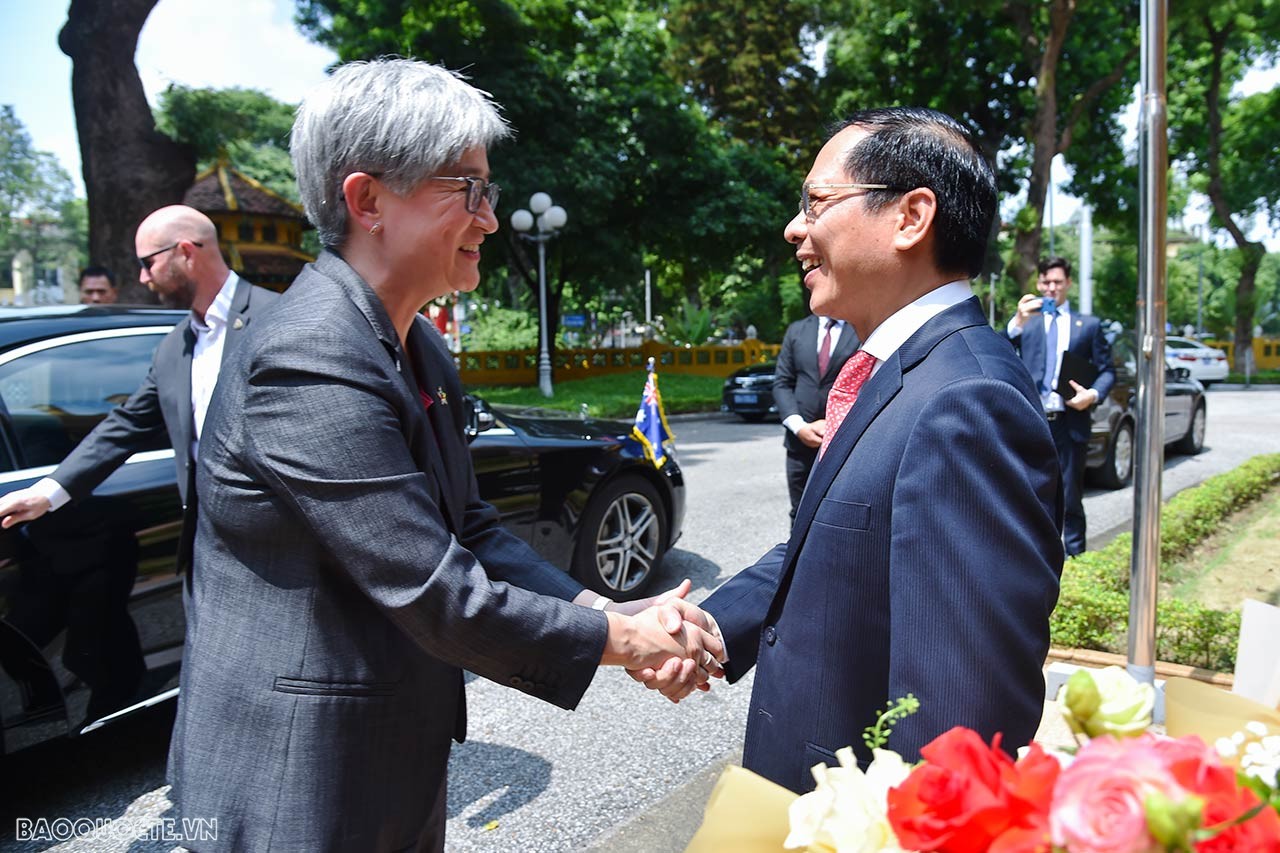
223 189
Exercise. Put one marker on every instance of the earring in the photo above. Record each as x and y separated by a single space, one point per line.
375 229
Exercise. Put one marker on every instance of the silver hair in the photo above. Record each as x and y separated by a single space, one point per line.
397 118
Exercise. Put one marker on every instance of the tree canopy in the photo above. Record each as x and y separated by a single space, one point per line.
39 210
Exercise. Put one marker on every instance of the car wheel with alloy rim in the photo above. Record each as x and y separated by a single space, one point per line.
624 535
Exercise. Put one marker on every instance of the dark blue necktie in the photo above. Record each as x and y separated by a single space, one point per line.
1050 356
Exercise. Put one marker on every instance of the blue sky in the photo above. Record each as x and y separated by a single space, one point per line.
250 43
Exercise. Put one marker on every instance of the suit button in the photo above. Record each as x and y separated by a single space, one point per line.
770 635
516 681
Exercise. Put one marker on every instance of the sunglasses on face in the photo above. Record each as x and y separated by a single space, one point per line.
146 261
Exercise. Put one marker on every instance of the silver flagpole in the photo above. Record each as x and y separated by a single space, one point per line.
1153 162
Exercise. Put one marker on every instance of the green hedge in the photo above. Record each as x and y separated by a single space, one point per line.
1093 607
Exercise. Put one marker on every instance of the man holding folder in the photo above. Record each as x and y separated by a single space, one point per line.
1070 360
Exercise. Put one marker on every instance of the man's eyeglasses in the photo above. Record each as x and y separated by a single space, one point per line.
146 261
477 189
806 201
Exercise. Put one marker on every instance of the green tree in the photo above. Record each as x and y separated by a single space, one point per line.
1034 79
246 128
39 211
748 63
1227 144
621 145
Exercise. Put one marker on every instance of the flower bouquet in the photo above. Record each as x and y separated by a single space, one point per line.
1122 789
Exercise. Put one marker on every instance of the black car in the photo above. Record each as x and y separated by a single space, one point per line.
1109 463
579 491
748 392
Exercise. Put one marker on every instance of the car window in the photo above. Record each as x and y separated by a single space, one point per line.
1172 344
54 396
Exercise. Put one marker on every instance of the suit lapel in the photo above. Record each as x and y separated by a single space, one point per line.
438 432
872 399
186 415
237 317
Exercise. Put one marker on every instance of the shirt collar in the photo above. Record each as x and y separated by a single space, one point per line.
907 320
217 313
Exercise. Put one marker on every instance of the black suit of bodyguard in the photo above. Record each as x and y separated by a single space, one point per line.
799 390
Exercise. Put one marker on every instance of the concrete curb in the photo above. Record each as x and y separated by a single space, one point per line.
667 825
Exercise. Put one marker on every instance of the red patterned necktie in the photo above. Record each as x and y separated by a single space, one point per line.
824 353
844 393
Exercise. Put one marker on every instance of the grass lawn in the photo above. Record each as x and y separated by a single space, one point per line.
1237 562
614 395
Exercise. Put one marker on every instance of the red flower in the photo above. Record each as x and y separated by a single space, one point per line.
971 797
1198 768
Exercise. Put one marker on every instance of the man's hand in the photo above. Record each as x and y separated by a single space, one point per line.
812 432
1029 304
652 637
1084 398
22 505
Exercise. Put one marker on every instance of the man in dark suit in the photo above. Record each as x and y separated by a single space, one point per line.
813 351
925 555
179 261
1041 337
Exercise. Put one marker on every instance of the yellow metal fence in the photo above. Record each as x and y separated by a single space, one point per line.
1266 353
520 367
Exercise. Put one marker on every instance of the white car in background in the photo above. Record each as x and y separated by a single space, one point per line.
1206 363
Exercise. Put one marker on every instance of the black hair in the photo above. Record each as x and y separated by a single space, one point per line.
1056 262
911 147
97 270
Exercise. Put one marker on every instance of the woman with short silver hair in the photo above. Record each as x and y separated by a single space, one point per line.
346 570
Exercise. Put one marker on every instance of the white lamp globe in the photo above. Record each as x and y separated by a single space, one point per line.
542 224
522 220
539 202
556 217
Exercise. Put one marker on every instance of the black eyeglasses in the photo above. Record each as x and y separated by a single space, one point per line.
477 189
146 261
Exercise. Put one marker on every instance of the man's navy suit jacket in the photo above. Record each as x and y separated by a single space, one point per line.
162 404
924 559
1088 342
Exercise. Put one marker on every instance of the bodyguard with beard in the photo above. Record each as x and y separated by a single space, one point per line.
179 261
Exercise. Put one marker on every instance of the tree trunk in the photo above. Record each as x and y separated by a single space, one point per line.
1044 139
130 168
1251 253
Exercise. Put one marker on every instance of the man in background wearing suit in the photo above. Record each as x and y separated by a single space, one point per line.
925 556
179 261
1041 343
813 351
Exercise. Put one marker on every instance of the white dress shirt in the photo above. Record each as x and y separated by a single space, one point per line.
1053 400
206 359
796 422
890 335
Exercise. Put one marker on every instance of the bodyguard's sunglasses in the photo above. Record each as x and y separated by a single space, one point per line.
146 261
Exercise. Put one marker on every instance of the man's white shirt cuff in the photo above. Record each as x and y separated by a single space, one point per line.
54 493
794 423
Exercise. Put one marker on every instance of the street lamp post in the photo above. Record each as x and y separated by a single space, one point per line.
550 218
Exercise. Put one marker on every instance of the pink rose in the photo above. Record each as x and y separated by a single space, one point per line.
1099 800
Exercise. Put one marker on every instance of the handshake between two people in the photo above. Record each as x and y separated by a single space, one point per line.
666 643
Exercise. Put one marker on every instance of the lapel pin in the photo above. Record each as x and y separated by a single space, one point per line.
238 324
443 397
